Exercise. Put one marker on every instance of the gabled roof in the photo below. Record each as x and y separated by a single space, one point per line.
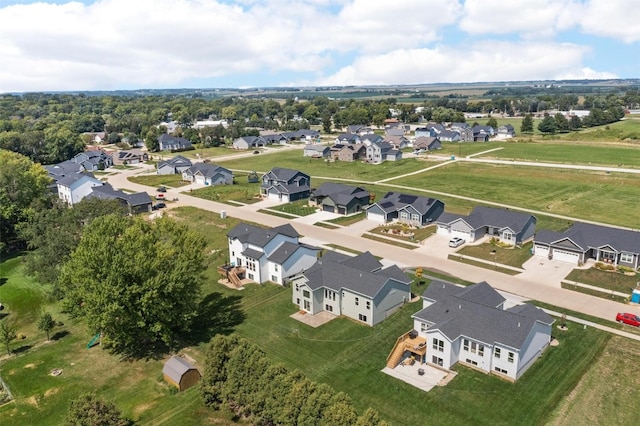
353 274
486 216
167 139
286 250
283 175
175 368
471 312
396 201
341 194
349 137
207 170
586 235
317 148
75 179
448 134
424 142
251 234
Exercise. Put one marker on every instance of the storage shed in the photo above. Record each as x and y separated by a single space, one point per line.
180 373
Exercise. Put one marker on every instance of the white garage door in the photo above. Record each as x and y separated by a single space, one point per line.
566 256
200 179
442 230
464 235
541 251
377 217
274 196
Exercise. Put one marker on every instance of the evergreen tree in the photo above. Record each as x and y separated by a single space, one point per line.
526 127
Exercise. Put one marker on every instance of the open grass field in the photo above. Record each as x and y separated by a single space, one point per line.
607 394
173 181
513 256
241 191
566 192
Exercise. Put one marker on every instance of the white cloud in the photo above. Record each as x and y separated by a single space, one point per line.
481 61
618 19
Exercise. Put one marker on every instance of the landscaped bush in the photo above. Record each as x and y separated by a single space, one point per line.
625 269
605 266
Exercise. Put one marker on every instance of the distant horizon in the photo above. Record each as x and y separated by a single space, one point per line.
118 45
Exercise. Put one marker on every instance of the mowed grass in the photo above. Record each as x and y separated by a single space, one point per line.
512 256
608 280
608 393
173 181
241 191
557 191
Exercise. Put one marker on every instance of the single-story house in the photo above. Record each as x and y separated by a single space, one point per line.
316 151
139 202
510 227
132 156
285 185
506 132
449 136
359 129
180 373
208 174
177 164
584 241
410 209
247 142
426 143
339 198
356 287
167 142
469 325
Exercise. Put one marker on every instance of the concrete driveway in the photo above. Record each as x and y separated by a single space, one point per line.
436 246
316 217
545 271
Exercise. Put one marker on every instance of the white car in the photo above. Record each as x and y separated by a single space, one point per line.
456 242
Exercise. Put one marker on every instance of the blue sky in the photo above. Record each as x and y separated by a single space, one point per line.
131 44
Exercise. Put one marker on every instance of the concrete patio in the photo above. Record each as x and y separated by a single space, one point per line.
410 374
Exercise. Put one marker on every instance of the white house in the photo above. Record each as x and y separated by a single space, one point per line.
470 326
273 254
74 187
357 287
208 174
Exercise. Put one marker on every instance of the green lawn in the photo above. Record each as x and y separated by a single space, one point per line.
565 192
241 191
596 293
349 220
172 181
298 208
513 256
418 234
391 240
603 279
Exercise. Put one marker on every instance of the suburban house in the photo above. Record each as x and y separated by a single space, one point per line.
506 132
356 287
359 129
371 138
394 131
91 161
132 156
584 241
482 133
275 138
398 142
426 143
410 209
339 198
167 142
208 174
378 152
95 137
449 136
285 185
347 138
316 151
74 187
470 325
180 373
247 142
175 165
269 254
304 135
135 203
509 227
422 132
348 152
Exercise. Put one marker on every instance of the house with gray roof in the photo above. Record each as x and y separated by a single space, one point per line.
426 143
175 165
168 142
348 152
347 138
470 326
508 226
359 129
584 241
208 174
135 203
449 136
356 287
398 142
272 254
339 198
506 132
180 373
285 185
91 161
247 142
316 151
377 152
410 209
75 186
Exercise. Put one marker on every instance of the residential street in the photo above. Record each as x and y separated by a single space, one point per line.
538 282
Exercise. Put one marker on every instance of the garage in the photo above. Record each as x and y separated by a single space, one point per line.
566 256
539 250
342 210
327 208
200 179
442 230
376 217
464 235
274 196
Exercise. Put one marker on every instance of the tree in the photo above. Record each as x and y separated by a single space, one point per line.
575 123
89 410
527 124
492 122
562 124
22 185
136 282
547 125
7 335
326 122
46 323
151 139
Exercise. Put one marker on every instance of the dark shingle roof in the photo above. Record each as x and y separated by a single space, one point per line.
586 235
286 250
260 236
487 216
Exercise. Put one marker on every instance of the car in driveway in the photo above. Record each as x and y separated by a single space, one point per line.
162 189
159 206
456 242
628 318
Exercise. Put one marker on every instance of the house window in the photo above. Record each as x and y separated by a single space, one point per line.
275 268
297 287
511 357
474 347
415 217
306 293
500 370
328 308
298 301
368 304
496 352
357 301
362 318
437 361
481 350
250 276
438 345
626 257
404 215
466 345
423 327
233 254
274 278
470 361
507 236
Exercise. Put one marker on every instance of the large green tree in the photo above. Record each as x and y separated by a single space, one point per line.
547 125
136 282
89 410
23 184
527 124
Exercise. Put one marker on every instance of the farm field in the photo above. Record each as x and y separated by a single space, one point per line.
565 192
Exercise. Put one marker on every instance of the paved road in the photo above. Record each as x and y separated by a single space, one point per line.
529 285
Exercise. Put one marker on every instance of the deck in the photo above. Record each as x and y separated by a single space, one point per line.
409 341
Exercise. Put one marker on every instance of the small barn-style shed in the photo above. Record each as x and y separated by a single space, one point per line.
180 373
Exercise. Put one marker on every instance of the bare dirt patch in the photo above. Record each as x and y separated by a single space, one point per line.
32 401
31 365
51 392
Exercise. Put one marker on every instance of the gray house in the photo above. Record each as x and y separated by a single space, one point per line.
470 326
135 203
513 228
247 142
357 287
91 161
424 143
172 143
177 164
410 209
347 138
316 151
285 185
208 174
339 198
584 241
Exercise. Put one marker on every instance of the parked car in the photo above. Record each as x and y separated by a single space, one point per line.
627 318
256 152
456 242
158 206
160 196
162 189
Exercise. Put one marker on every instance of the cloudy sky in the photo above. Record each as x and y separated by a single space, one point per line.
131 44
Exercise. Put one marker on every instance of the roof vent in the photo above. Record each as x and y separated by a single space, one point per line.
360 274
460 306
518 324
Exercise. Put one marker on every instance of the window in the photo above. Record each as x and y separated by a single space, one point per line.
507 236
496 352
298 301
511 357
415 217
233 254
466 344
297 287
500 370
474 347
423 326
404 215
362 317
481 350
470 361
437 361
250 276
438 345
626 257
368 304
328 308
274 278
357 301
306 293
275 268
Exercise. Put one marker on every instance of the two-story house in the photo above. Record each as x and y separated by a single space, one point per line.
177 164
410 209
285 185
339 198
